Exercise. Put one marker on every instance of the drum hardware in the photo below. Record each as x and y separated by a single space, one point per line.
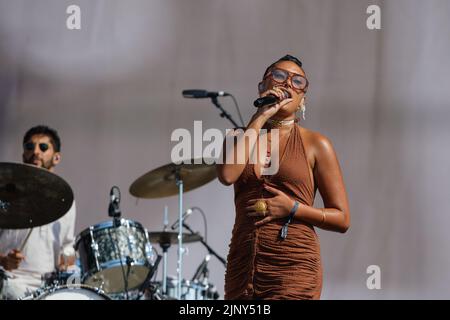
165 246
189 290
179 183
165 239
79 292
202 270
147 285
94 247
209 291
174 179
60 278
32 296
198 288
115 212
210 250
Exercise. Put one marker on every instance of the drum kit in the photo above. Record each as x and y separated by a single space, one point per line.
116 258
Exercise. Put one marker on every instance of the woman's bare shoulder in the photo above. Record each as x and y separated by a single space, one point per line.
316 142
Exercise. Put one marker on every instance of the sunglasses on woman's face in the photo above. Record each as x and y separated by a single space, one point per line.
299 83
29 146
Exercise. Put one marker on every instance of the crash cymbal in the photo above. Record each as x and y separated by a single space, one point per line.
172 237
162 182
31 196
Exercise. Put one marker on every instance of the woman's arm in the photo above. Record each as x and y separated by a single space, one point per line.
328 178
229 173
230 170
335 215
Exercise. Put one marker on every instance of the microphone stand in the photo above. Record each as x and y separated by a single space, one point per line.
210 250
147 282
223 114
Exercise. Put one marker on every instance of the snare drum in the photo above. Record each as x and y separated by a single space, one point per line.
69 292
115 255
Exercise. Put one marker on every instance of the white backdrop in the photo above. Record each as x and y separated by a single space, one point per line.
113 91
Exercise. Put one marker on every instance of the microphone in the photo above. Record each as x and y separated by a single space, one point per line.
212 293
186 214
114 201
201 268
199 94
270 99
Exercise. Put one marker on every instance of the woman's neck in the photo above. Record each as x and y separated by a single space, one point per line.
285 123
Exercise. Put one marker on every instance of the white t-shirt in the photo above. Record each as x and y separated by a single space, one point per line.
42 250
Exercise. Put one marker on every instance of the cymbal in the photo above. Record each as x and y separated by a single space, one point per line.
31 196
162 182
172 237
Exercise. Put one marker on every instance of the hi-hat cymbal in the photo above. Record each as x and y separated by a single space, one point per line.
31 196
162 182
172 237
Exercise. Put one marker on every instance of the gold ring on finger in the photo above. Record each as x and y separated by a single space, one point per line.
260 206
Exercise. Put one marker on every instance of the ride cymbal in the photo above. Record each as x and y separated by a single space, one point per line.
162 182
172 237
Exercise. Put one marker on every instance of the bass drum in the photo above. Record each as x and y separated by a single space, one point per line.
80 292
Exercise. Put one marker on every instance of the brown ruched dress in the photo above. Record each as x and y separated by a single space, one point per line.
261 265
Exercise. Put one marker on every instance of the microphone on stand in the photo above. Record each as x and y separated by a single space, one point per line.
114 202
186 214
201 268
199 94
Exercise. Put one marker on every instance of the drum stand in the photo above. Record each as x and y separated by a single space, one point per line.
147 284
179 182
165 247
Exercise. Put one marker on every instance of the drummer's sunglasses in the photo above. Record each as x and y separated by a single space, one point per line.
29 146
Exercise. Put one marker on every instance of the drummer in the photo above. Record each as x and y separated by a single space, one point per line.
48 247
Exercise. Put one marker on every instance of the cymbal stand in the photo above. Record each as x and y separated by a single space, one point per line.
165 247
179 182
147 285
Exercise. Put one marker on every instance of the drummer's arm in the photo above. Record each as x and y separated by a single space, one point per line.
67 257
11 260
2 260
64 262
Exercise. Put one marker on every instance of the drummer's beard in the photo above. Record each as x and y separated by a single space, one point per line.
40 162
